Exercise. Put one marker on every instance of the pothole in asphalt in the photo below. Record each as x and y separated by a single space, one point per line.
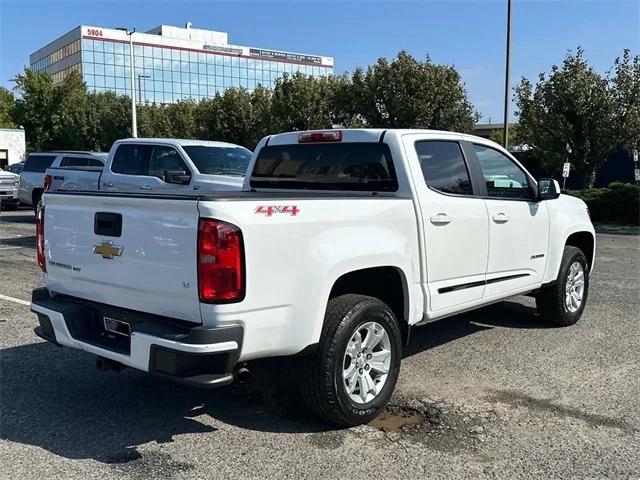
437 424
389 421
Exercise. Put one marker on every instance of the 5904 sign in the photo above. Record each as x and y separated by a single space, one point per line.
271 210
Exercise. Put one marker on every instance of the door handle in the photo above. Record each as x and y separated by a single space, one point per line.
107 184
440 219
145 187
501 218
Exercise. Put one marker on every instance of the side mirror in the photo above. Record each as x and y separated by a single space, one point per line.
179 177
548 189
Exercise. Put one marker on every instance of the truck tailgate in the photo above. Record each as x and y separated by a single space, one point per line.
149 266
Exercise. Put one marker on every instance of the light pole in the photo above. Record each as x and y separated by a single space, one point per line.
132 66
505 133
140 76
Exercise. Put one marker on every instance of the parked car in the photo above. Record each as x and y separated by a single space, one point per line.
32 178
152 165
340 243
8 189
15 168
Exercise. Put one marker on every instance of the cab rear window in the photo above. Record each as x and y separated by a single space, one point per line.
326 166
38 163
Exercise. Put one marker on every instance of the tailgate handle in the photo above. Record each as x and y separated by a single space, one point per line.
107 224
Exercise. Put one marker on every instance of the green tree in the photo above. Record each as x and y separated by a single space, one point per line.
407 93
181 117
496 136
53 117
300 103
151 120
35 108
572 106
227 117
262 120
7 104
344 94
70 98
625 90
108 118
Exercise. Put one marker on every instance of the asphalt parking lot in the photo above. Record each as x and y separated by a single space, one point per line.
489 394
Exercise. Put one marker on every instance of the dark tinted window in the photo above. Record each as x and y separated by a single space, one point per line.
165 159
503 177
80 162
131 159
38 163
73 162
325 166
219 160
443 167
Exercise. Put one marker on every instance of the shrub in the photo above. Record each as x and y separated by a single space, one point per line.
618 203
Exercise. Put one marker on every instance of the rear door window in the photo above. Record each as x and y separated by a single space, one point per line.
92 162
443 167
351 166
80 162
131 159
73 162
38 163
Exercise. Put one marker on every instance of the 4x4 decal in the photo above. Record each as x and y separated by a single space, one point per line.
270 210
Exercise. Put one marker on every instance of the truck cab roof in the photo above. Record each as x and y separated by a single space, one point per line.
370 135
180 142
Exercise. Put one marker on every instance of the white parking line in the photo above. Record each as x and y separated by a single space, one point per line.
14 300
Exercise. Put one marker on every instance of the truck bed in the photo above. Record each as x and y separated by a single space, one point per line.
74 178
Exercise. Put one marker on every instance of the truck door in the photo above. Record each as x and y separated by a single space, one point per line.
147 168
455 222
518 224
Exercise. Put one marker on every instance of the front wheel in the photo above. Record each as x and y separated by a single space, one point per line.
562 303
351 376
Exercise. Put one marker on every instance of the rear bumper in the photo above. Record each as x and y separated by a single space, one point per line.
188 354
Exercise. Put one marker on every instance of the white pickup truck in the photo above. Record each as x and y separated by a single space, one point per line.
8 189
341 241
157 165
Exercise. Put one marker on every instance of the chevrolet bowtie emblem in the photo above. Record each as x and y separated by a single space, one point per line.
108 250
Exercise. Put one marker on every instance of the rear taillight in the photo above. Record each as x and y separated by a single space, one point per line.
325 136
40 238
221 275
47 182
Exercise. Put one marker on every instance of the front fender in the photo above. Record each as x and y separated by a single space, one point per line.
567 215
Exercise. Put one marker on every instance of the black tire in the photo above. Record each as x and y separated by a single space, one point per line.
322 385
551 300
36 197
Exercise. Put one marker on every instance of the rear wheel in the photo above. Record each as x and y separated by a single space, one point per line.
351 376
562 303
35 199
